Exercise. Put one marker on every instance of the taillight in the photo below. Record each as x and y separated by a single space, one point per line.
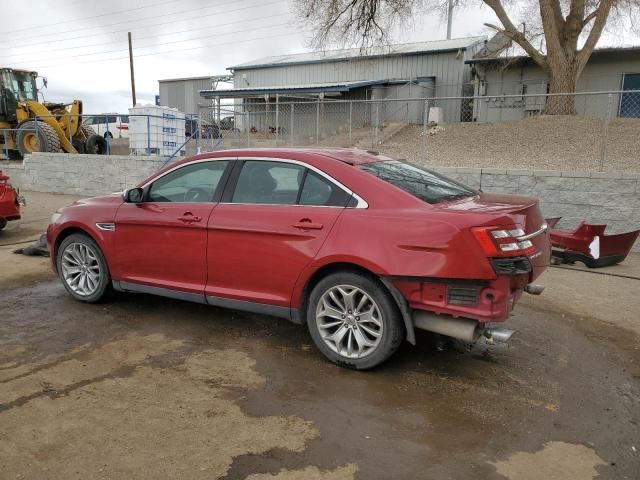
503 242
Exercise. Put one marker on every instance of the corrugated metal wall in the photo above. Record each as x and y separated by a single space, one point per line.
602 73
448 69
184 94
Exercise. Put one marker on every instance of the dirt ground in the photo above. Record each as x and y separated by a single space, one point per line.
146 387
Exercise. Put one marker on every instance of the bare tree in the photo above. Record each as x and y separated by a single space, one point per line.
570 30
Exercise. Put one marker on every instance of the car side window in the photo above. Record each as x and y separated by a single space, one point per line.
194 183
268 183
319 191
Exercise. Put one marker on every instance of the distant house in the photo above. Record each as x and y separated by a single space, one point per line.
608 70
407 71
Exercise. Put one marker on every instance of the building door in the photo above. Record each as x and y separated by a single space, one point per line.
630 102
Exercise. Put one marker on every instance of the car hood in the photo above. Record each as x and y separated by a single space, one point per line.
111 199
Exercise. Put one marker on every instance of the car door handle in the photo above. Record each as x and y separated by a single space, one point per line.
189 217
306 224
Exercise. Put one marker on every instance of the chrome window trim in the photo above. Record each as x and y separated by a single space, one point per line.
361 202
202 160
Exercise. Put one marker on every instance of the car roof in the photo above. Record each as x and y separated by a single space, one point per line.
351 156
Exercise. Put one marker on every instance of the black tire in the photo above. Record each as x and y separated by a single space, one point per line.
85 131
96 145
103 288
3 223
108 135
36 136
78 144
390 318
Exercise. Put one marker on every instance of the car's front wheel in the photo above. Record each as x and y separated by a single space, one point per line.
353 320
83 269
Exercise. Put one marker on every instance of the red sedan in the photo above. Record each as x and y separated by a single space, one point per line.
361 248
9 201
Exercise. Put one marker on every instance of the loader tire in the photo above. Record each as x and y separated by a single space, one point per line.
35 136
78 145
86 130
96 145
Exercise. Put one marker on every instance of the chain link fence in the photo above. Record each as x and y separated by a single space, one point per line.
592 131
595 131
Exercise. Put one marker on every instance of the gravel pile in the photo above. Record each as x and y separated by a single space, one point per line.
541 143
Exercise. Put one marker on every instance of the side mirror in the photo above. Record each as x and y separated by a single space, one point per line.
133 195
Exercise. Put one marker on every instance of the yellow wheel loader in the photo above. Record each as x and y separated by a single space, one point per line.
28 125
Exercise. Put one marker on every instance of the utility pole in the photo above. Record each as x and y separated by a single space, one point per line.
450 6
133 78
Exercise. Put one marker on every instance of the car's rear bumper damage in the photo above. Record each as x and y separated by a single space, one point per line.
468 309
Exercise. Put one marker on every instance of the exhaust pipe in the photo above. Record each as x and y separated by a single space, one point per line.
460 328
463 329
501 335
534 289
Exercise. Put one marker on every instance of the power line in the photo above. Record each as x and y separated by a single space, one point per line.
235 42
164 15
63 58
145 37
85 18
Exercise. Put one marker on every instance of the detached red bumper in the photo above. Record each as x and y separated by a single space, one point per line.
9 201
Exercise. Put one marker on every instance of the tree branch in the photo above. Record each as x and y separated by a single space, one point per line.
514 34
594 35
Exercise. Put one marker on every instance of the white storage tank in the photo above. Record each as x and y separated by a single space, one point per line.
155 130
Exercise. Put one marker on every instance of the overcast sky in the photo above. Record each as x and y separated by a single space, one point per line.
81 45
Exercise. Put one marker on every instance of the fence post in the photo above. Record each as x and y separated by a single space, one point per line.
605 133
318 120
148 136
5 142
247 113
350 121
277 118
199 132
291 127
376 125
425 120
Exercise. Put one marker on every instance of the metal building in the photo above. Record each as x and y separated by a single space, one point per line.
406 71
184 93
608 69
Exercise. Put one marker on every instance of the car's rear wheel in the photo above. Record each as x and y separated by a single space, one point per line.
83 269
353 320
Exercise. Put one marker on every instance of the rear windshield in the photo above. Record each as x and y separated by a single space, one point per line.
426 185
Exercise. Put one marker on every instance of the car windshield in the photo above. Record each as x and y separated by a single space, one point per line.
426 185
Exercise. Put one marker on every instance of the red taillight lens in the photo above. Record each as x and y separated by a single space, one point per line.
502 242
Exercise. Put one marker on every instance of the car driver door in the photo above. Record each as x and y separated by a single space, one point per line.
162 241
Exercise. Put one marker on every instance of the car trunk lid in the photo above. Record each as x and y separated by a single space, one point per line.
526 214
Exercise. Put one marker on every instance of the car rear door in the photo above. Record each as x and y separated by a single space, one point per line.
162 242
273 219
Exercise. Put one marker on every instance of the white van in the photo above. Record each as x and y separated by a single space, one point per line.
109 125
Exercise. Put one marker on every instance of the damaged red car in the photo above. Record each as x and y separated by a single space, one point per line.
360 248
9 201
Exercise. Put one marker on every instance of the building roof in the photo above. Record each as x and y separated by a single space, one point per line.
291 89
520 59
438 46
183 79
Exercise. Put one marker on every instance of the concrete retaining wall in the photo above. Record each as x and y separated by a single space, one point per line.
81 174
611 198
608 198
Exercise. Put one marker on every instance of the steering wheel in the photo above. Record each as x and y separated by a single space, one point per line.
197 194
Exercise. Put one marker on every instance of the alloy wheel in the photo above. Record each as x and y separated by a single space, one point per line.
81 269
349 321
